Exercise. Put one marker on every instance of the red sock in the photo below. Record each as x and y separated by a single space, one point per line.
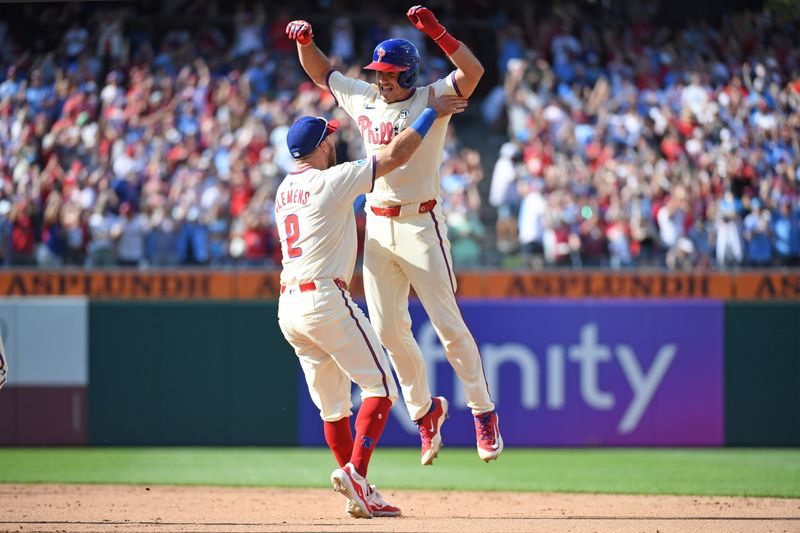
340 439
370 422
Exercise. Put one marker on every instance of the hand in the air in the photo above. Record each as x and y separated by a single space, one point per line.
425 21
300 31
446 105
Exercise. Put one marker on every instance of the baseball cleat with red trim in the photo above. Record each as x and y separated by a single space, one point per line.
487 432
378 506
430 428
350 484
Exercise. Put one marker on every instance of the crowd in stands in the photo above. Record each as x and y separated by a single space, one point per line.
124 146
634 144
627 144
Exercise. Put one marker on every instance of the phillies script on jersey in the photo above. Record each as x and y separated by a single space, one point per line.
292 196
381 134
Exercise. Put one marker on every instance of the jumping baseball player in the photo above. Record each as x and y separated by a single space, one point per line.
406 238
329 333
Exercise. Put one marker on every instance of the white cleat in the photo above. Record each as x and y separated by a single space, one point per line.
350 484
378 506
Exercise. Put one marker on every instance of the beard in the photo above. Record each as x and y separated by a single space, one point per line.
332 157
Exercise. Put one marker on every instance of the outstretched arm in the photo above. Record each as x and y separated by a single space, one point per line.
314 62
469 70
399 151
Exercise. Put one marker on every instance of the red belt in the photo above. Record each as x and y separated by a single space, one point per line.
311 286
394 211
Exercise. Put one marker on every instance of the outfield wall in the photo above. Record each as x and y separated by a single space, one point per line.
590 372
190 373
762 374
45 400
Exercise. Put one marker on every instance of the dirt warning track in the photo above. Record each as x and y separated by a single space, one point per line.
81 508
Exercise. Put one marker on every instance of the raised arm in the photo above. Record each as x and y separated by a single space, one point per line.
315 63
469 70
399 151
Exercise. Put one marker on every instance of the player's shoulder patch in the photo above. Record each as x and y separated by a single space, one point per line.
360 162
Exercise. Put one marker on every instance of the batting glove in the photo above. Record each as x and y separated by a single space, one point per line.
425 21
300 31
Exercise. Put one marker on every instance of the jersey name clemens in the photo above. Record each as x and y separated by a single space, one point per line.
292 196
381 134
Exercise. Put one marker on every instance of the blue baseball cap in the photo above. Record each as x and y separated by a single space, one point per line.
307 133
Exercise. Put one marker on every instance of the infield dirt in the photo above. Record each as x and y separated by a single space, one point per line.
168 508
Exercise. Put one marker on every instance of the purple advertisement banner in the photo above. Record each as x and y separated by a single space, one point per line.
591 373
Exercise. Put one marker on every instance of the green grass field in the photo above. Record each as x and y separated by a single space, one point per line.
734 472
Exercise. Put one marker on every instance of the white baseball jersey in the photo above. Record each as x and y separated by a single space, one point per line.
331 337
379 122
413 249
316 223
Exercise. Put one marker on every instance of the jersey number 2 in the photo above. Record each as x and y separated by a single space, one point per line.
292 226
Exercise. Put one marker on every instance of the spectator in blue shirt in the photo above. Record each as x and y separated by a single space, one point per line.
786 227
757 235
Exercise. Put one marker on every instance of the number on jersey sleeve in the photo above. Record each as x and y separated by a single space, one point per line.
292 226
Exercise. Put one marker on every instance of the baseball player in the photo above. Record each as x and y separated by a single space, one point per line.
3 366
406 236
329 333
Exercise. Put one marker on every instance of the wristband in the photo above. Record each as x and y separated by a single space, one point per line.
425 121
447 43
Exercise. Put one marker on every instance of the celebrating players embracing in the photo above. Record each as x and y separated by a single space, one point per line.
332 338
406 236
